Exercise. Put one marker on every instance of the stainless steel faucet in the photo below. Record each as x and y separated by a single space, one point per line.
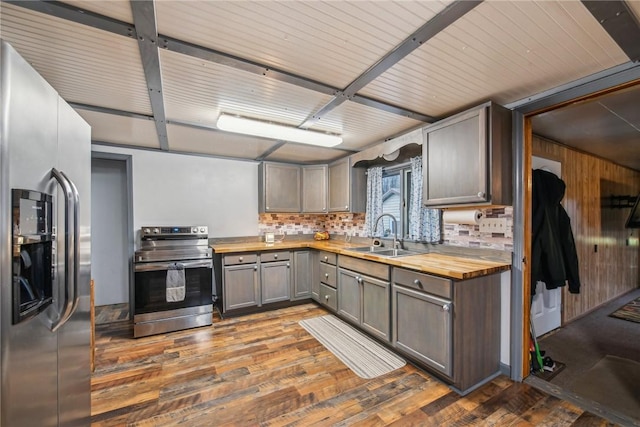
395 228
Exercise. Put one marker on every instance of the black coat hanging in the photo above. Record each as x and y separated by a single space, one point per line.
554 259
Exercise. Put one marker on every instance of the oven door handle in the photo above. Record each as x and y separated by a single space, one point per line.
159 266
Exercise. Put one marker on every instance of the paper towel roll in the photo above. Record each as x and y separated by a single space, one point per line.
462 217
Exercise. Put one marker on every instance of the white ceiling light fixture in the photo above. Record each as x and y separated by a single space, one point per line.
254 127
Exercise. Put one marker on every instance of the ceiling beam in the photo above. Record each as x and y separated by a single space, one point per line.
435 25
211 55
618 20
144 19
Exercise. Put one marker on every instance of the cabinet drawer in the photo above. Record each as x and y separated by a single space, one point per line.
369 268
424 282
236 259
328 257
328 297
328 274
275 256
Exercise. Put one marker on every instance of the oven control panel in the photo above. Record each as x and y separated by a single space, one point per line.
176 231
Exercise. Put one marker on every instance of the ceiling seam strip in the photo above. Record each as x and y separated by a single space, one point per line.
85 17
619 21
603 80
144 18
107 110
431 28
78 15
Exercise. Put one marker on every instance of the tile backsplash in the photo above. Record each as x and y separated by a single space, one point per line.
353 223
468 235
339 223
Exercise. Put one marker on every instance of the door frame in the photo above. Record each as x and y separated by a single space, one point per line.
613 79
128 159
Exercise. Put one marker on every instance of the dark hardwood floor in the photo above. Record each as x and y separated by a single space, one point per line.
265 369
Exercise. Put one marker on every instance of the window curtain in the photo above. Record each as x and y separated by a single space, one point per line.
424 224
374 199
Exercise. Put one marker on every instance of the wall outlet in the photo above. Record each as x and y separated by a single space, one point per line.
493 225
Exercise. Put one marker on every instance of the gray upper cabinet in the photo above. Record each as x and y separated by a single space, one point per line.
467 158
314 188
347 187
279 187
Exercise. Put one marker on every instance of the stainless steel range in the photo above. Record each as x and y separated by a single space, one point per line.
173 280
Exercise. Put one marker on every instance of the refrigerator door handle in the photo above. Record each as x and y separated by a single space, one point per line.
69 199
76 243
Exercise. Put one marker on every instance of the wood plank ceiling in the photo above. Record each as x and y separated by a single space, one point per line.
156 75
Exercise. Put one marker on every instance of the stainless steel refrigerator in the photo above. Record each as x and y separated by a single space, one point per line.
45 263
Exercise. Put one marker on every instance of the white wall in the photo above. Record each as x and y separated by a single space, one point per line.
109 248
177 189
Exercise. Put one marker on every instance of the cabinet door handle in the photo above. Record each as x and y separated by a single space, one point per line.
255 267
346 207
480 194
326 275
288 265
326 297
446 307
326 258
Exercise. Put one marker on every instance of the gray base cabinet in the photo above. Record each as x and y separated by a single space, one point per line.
302 275
240 282
275 281
325 278
349 298
449 327
254 279
362 299
422 327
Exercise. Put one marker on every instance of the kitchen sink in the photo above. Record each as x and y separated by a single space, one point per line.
382 251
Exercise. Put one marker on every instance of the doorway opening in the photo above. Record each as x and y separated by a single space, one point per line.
112 239
587 338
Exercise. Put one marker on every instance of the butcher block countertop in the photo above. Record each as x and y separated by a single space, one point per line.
454 266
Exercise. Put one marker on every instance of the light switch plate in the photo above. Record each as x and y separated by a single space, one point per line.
493 225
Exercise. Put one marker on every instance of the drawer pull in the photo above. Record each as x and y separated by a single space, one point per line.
240 259
275 256
418 283
326 258
326 297
326 275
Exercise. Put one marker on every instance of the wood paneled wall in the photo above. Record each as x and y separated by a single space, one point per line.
611 269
